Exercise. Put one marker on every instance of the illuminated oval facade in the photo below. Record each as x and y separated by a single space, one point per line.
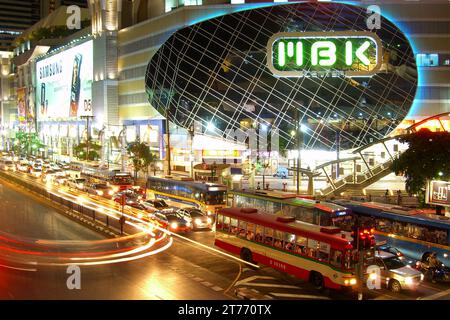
214 75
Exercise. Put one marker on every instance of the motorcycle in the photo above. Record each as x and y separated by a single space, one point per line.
441 273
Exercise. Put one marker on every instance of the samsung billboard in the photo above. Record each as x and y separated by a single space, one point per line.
64 84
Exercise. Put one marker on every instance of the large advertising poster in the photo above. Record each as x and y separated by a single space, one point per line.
64 84
439 193
21 105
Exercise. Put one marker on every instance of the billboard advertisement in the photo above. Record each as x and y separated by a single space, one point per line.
64 83
21 104
439 193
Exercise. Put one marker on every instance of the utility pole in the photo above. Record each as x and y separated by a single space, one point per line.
88 133
298 133
168 154
338 150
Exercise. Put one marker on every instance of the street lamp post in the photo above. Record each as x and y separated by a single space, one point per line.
88 133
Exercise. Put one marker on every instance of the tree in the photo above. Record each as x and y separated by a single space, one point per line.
426 158
27 143
80 150
140 156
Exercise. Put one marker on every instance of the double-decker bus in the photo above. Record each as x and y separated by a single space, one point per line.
412 231
281 203
208 197
322 255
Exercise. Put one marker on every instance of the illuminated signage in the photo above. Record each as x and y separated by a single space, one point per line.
64 83
318 54
439 193
221 153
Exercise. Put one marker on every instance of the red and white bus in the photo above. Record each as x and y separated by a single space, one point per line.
322 255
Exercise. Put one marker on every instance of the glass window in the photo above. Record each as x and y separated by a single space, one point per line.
250 231
234 226
336 258
427 60
259 236
242 229
289 241
268 236
226 223
313 246
300 245
278 239
324 251
219 222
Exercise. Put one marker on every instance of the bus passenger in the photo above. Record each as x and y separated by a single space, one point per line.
242 233
250 235
289 246
268 240
278 243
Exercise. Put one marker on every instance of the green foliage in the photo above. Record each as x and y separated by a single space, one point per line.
27 143
426 158
140 156
80 150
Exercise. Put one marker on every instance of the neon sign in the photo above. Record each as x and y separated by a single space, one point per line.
318 54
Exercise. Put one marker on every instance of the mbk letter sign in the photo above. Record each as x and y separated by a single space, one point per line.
74 280
318 54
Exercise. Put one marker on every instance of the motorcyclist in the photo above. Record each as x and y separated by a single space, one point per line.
433 264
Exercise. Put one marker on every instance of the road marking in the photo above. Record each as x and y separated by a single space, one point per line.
249 279
206 283
435 296
198 279
292 295
271 285
217 288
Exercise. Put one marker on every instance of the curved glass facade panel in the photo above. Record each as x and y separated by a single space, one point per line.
215 73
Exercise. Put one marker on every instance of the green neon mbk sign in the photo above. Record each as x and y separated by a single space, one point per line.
303 54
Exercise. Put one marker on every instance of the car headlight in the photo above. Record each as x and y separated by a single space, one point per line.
100 193
110 192
80 186
210 212
209 220
408 280
373 276
422 276
198 221
116 189
188 223
174 225
352 281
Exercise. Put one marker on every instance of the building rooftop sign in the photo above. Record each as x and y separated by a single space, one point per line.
319 54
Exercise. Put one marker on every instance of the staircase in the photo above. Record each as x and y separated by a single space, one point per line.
355 182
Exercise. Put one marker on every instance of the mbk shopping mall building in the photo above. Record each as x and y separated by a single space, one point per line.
215 68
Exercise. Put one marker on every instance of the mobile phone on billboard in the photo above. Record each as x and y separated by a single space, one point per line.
75 87
43 100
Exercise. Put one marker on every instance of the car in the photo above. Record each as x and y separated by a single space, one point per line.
131 198
7 165
157 205
197 218
48 175
174 221
281 173
35 171
398 253
60 180
77 183
23 166
100 189
394 273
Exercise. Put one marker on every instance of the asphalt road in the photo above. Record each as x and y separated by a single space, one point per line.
162 276
184 271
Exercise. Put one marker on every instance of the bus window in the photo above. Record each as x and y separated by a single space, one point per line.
305 215
289 241
300 245
242 229
336 258
259 233
324 251
226 223
268 236
250 231
278 239
313 246
219 222
234 226
324 218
